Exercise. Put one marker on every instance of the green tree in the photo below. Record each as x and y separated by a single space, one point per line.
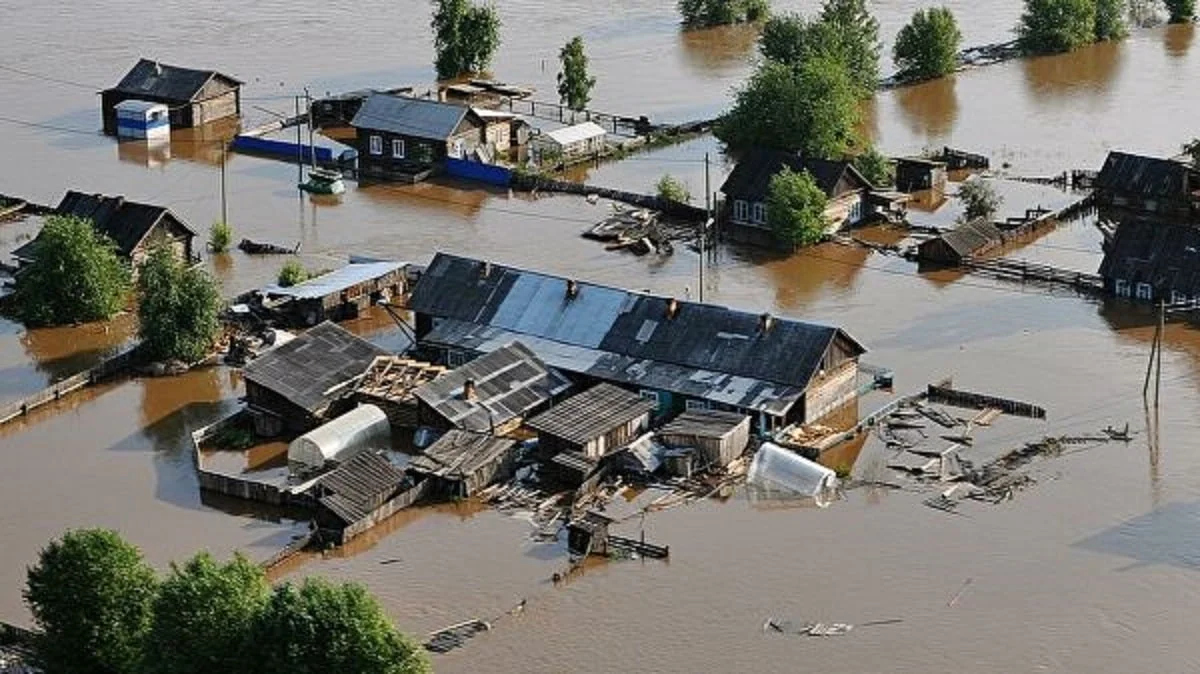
811 108
927 46
703 13
1110 20
320 627
220 235
875 167
574 83
979 199
792 39
178 310
669 187
91 596
291 273
1181 11
76 276
465 37
204 616
796 208
1052 26
858 39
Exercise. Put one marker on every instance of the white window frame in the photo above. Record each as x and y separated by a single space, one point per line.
697 405
759 213
741 210
1178 297
649 394
856 210
1121 288
376 145
398 148
1145 291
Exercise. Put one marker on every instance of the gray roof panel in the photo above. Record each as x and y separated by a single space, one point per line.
406 116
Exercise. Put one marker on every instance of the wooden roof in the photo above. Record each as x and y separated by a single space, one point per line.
704 423
589 415
395 378
1164 255
969 237
458 454
1144 176
125 222
354 489
158 80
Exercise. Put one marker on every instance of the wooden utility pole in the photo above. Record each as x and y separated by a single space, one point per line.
312 149
299 146
704 228
1155 362
224 197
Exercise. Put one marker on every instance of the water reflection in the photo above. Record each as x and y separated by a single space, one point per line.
811 273
713 50
929 108
1177 38
62 351
1089 70
151 154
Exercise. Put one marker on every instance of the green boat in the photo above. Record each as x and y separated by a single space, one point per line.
323 181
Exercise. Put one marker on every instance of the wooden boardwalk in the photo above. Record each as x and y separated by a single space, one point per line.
1025 272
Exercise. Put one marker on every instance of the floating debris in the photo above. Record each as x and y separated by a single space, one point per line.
455 636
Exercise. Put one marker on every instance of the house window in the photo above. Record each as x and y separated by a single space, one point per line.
1178 297
856 211
741 210
650 395
398 149
698 405
1122 288
760 213
457 358
376 145
1144 291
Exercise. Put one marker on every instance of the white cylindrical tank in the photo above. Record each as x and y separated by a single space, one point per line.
777 468
364 427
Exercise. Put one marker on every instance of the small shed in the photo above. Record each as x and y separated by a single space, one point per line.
573 470
719 437
600 420
389 384
359 494
193 97
142 119
967 240
340 295
588 535
461 463
365 427
574 141
914 174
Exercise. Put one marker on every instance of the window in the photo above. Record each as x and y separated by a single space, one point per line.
760 213
1122 288
650 395
398 149
741 210
457 358
1178 297
696 405
1144 291
856 211
376 145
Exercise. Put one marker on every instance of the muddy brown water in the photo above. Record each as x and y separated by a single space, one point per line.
1090 570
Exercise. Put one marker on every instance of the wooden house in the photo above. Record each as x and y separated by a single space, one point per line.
718 437
1162 187
389 384
135 228
460 463
408 139
359 494
580 140
679 354
339 295
746 189
295 386
965 241
1153 261
596 422
193 97
915 174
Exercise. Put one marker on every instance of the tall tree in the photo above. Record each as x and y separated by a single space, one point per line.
703 13
320 627
178 309
204 616
811 108
874 167
927 46
979 198
792 39
465 37
796 208
1052 26
1110 20
76 276
859 36
91 595
574 83
1181 11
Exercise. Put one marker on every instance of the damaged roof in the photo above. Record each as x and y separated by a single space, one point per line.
509 382
1144 176
1164 255
751 177
589 415
358 486
159 80
313 369
459 454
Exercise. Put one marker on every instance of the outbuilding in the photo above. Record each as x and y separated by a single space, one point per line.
718 437
460 463
968 240
914 174
596 422
339 295
359 494
579 140
143 120
193 97
362 428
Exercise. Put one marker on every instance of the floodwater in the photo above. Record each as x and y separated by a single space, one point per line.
1089 570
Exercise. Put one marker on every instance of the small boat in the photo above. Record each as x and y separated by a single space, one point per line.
323 181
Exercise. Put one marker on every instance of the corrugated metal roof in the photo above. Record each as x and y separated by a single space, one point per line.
414 117
352 490
458 454
335 281
576 133
159 80
1144 176
1164 255
751 177
309 369
509 382
589 415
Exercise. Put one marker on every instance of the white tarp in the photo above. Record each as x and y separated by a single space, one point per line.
364 427
775 468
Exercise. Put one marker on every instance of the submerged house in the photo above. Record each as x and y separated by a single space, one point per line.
678 354
1163 187
193 97
1153 261
594 423
965 241
135 228
914 174
746 190
295 386
408 139
359 494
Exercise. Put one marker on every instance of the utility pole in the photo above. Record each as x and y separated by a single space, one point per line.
224 199
312 149
1162 329
707 222
299 146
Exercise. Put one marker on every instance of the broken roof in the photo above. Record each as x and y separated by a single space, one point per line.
159 80
459 454
125 222
406 116
1145 176
1165 255
509 382
313 369
751 177
395 378
354 489
589 415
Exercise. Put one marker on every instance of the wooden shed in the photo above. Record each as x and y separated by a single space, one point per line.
600 420
193 97
461 463
967 240
588 535
914 174
718 437
359 494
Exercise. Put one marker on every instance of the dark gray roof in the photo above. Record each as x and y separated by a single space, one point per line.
354 489
125 222
1165 255
311 369
575 461
159 80
752 175
509 382
1144 176
704 423
614 329
406 116
589 415
972 236
459 454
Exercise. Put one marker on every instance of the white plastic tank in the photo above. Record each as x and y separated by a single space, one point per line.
775 468
364 427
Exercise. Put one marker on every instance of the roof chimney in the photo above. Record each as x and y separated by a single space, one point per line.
572 289
765 322
485 269
468 392
158 68
672 309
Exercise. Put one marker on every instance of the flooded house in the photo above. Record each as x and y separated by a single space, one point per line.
361 429
492 393
593 423
746 189
134 227
580 140
915 174
1153 261
678 354
193 97
359 494
339 295
1149 185
460 463
390 384
294 387
969 239
409 139
717 437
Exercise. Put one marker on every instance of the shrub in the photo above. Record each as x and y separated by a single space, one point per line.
291 274
669 187
220 236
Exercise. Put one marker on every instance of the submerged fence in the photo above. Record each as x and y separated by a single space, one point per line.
105 369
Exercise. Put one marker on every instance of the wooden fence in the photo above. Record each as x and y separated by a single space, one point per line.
1023 271
949 396
616 124
105 369
665 206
